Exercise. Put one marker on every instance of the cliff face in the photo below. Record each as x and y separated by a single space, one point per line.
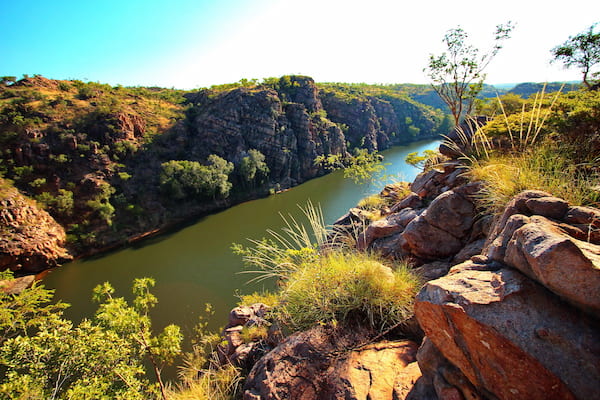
95 157
290 135
31 239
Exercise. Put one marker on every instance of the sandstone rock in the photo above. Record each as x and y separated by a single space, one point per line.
413 200
432 270
445 379
31 239
387 226
240 315
568 267
583 215
515 206
425 182
427 241
16 285
390 246
472 249
302 367
551 207
510 337
376 371
451 212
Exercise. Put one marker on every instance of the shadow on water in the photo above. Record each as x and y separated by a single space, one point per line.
195 265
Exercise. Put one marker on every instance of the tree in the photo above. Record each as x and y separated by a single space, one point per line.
189 179
582 51
253 167
43 355
457 74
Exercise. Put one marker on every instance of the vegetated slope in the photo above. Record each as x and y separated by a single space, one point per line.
112 163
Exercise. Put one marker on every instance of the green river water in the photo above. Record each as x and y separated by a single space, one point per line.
195 265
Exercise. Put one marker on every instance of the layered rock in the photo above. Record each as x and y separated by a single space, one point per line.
31 239
509 336
317 364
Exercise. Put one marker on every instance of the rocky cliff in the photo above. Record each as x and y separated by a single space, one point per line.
31 239
112 164
510 307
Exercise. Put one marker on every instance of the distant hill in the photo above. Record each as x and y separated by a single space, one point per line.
528 88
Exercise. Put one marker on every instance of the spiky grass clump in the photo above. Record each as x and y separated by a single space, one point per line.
373 202
320 283
540 168
221 383
348 287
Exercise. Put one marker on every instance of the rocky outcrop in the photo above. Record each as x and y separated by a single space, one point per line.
31 239
289 135
317 364
510 309
521 320
509 336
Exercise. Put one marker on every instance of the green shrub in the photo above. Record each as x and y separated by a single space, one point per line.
348 288
322 284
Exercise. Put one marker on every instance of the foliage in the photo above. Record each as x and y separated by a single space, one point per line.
43 355
253 167
348 288
550 144
362 167
457 75
427 160
581 51
542 167
321 283
188 179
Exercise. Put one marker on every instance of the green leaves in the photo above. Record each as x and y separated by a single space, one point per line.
457 74
186 179
45 356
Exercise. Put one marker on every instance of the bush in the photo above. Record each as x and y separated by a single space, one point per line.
348 288
324 284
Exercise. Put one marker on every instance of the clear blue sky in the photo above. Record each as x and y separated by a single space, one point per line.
195 43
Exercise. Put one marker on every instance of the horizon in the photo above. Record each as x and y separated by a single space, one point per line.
196 44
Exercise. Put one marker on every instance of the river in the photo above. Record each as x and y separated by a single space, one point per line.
194 265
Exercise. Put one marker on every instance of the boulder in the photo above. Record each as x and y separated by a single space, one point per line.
387 226
432 270
427 241
509 336
444 379
413 200
451 212
316 364
567 266
31 239
549 206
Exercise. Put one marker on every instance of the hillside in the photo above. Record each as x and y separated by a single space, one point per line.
111 164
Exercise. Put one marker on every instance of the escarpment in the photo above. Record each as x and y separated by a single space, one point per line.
31 239
114 164
509 307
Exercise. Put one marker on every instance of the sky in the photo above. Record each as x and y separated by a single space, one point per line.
189 44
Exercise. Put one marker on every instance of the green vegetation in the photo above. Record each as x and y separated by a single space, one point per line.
43 355
362 167
549 143
189 179
581 51
457 75
321 283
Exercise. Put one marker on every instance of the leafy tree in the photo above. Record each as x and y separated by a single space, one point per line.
253 166
457 75
362 167
43 355
185 179
581 51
